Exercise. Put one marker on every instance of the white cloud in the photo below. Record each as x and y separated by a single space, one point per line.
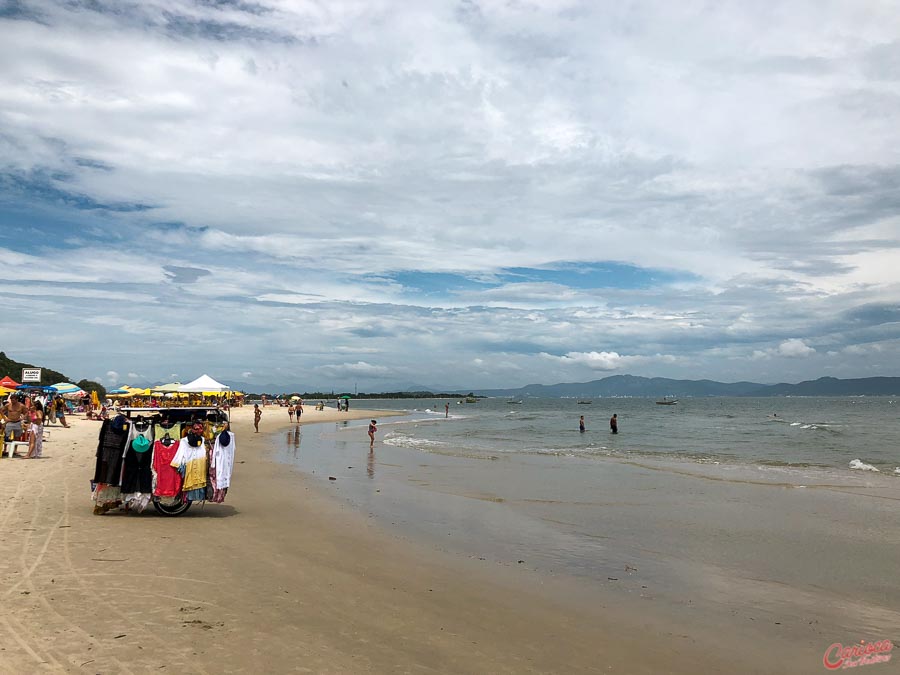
112 376
609 360
595 360
795 348
360 368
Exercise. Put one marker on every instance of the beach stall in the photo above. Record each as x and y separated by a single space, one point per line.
168 456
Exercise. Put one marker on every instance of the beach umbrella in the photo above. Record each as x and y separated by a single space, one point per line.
295 398
345 396
5 390
8 382
66 388
116 392
95 399
166 388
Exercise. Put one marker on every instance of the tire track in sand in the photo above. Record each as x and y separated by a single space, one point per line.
132 626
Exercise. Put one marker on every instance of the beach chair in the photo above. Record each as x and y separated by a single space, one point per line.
10 447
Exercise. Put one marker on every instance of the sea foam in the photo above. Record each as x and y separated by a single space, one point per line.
862 466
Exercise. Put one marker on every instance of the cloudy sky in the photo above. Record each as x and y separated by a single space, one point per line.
459 193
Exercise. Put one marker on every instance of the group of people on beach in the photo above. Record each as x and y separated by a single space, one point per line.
613 424
295 410
24 416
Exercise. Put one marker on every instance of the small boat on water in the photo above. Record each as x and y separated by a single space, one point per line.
665 400
584 402
471 399
512 402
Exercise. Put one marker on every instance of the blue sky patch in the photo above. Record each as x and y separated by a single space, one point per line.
583 276
594 275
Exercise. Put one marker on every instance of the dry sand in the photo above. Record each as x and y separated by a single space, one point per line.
282 578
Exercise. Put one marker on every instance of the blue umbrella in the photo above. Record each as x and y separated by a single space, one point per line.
46 389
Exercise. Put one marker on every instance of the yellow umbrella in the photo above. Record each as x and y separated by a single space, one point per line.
5 390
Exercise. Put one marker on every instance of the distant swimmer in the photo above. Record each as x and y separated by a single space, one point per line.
581 424
614 424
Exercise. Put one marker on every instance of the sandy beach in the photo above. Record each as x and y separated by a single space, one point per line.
283 577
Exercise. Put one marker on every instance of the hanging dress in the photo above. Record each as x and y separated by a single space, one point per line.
137 476
108 469
166 479
191 460
220 467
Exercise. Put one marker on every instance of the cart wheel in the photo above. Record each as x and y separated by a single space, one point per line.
176 510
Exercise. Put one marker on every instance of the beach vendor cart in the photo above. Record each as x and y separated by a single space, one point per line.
170 457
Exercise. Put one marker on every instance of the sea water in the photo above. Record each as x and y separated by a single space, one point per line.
790 432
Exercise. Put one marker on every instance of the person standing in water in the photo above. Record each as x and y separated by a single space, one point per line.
372 430
581 424
257 413
614 424
446 410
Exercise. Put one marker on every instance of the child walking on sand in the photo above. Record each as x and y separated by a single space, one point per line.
372 430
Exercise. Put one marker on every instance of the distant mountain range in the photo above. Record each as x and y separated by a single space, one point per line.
632 385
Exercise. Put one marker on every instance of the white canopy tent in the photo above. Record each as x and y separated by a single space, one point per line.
204 383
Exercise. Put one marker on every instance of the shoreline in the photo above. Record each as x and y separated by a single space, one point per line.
286 575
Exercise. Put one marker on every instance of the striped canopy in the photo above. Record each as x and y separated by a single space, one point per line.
66 388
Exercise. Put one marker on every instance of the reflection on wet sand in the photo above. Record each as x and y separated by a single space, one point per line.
370 464
293 439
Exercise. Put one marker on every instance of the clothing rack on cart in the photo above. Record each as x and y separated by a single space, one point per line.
170 457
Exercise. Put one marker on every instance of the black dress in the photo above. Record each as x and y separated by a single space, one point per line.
111 445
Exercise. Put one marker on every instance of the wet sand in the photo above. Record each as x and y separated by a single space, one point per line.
286 576
784 562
